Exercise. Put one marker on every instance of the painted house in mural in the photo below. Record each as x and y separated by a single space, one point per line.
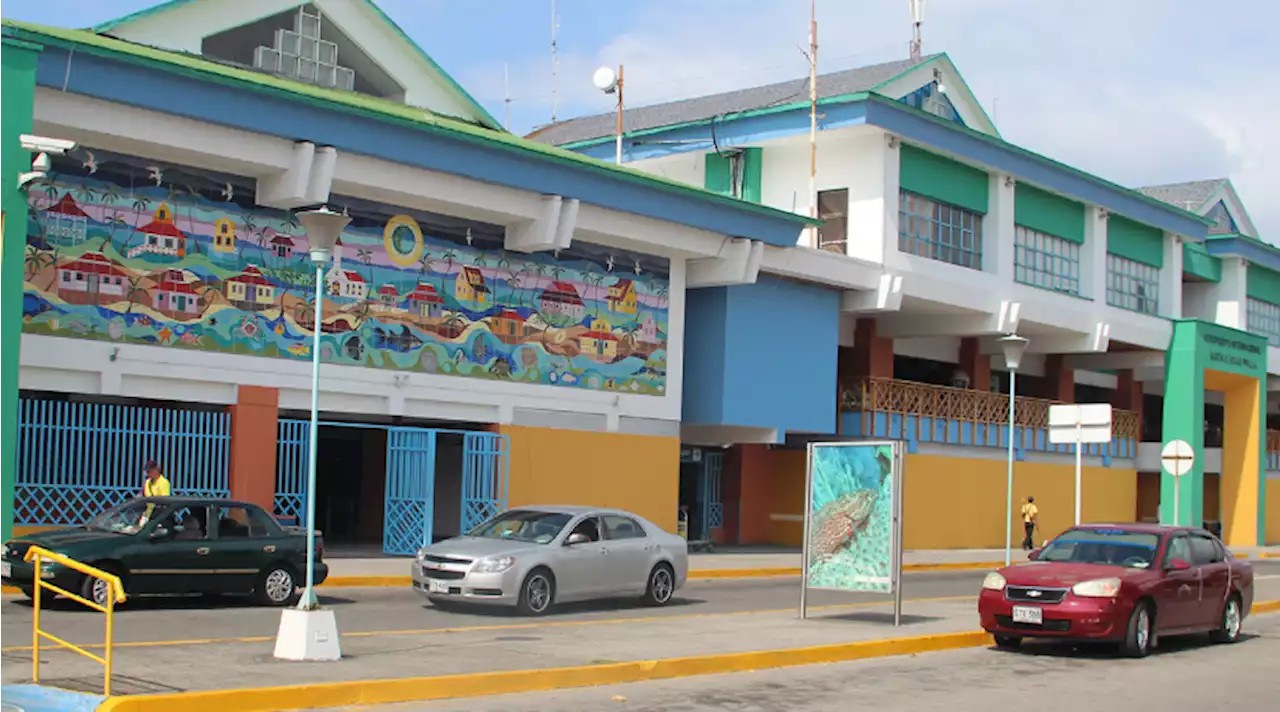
173 295
600 344
388 296
249 290
65 222
425 301
224 235
622 297
282 246
562 299
470 286
510 327
348 283
161 236
648 338
91 279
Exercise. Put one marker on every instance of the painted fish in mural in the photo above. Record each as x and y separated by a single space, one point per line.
839 522
402 341
354 348
300 350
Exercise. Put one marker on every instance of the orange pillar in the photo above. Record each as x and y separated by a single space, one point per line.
976 364
1128 393
254 429
752 467
1059 381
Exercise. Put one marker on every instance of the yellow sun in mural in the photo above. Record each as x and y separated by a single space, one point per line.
403 240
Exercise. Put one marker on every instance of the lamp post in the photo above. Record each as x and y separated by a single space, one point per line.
1013 346
609 83
307 632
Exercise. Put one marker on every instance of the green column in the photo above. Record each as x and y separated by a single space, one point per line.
17 95
1184 420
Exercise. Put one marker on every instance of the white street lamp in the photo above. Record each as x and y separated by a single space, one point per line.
1013 346
308 632
609 83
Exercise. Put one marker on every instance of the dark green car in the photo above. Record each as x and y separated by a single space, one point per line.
174 546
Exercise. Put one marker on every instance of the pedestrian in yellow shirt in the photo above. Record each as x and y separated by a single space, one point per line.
156 485
1030 518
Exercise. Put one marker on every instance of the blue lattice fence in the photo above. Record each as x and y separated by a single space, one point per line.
411 481
485 464
292 443
77 458
712 469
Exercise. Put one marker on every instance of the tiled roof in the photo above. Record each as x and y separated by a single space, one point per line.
251 275
67 206
849 81
94 263
425 293
600 335
1188 196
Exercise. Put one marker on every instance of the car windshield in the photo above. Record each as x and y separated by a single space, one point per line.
128 518
1111 547
523 525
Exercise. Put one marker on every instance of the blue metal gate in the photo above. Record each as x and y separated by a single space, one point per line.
77 458
712 507
411 483
485 470
292 442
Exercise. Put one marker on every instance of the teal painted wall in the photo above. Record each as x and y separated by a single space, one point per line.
1049 213
1263 284
1196 260
943 179
1135 241
719 173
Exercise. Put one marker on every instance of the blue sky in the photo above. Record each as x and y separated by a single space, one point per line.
1140 91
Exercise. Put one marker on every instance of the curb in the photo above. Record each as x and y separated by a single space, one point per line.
422 689
1265 607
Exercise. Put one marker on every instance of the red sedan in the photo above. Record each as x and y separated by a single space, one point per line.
1128 584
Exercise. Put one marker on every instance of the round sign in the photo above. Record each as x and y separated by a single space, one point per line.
1177 457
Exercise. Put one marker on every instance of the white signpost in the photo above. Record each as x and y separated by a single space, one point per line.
1079 423
1177 458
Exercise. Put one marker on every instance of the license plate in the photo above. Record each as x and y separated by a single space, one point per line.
1028 614
434 586
6 569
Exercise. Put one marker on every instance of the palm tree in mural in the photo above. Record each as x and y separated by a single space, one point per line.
37 260
37 201
514 280
134 291
424 265
141 206
502 263
594 280
661 293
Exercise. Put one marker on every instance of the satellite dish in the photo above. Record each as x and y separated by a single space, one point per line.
605 80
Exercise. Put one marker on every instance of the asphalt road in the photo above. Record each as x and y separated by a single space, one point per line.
1189 674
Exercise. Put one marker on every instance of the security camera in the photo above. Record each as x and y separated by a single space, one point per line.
45 144
40 166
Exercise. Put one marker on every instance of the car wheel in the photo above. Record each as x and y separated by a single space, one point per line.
1229 629
277 586
1008 642
661 587
94 589
537 593
1137 638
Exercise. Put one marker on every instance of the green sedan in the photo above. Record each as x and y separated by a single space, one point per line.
174 546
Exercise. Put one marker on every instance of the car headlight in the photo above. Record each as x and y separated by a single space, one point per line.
422 554
1098 588
494 564
994 581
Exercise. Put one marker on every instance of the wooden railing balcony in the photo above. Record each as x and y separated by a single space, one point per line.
923 412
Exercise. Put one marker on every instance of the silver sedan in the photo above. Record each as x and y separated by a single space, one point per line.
535 557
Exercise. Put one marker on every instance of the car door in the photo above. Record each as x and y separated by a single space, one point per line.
628 549
242 546
166 558
581 569
1215 578
1178 592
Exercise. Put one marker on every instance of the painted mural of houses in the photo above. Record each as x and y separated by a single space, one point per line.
249 290
92 278
425 301
470 286
348 283
161 236
600 344
174 295
282 246
224 235
622 297
510 327
388 296
562 299
65 222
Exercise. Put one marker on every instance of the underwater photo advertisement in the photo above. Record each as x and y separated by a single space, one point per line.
851 507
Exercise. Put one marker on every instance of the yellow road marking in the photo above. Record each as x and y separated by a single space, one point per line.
508 626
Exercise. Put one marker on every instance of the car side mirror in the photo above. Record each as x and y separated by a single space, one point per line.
160 533
1034 555
577 538
1177 565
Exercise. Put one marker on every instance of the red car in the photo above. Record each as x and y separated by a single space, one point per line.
1128 584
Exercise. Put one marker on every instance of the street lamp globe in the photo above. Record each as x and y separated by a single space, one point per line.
1013 347
323 227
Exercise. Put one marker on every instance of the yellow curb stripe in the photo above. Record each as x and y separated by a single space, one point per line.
382 692
500 627
1266 607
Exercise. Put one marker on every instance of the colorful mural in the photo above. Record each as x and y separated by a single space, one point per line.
131 253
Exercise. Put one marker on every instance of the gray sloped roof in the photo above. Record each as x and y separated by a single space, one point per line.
1188 196
849 81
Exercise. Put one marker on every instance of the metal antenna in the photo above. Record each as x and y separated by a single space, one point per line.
813 120
917 19
555 61
506 94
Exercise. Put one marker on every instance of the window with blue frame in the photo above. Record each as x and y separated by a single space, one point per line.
1132 285
939 231
1223 224
1264 320
1046 261
929 98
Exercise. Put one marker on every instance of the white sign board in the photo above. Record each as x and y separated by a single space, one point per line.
1080 423
1177 457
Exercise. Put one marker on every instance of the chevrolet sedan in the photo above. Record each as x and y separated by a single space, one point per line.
535 557
1128 584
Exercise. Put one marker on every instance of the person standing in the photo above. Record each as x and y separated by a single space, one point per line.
1030 519
155 485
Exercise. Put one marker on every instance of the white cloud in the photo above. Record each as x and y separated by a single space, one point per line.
1139 92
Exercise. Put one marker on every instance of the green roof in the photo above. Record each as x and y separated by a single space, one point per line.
196 67
169 5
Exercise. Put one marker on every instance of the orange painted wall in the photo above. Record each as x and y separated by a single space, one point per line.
254 429
1273 510
639 473
786 501
957 503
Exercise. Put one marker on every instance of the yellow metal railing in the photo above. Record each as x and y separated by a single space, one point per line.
38 555
887 395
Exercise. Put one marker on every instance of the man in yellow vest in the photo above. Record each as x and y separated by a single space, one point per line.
1030 519
156 485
